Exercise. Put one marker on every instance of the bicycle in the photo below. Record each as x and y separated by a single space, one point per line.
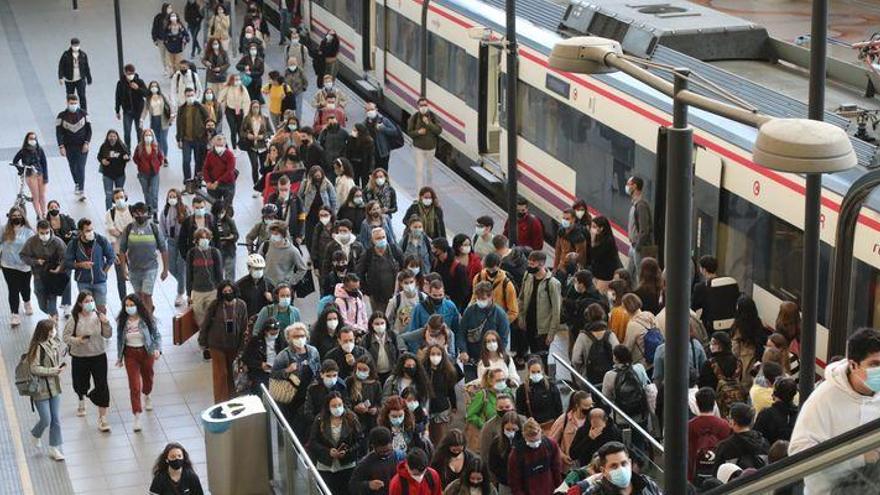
22 198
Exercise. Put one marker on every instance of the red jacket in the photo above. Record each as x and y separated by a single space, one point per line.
148 164
219 168
698 427
529 232
426 487
534 471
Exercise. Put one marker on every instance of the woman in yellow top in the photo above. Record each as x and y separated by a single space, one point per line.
276 90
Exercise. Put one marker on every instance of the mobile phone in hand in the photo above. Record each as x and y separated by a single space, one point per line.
62 365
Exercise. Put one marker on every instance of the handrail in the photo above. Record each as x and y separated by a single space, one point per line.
301 451
806 462
653 441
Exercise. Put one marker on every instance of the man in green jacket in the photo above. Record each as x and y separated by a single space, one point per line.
424 129
539 303
191 117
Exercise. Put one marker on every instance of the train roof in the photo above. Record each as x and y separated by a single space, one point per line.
543 17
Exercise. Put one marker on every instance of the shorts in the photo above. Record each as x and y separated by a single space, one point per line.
441 417
99 291
143 281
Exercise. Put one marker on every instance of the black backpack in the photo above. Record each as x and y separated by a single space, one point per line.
629 394
599 358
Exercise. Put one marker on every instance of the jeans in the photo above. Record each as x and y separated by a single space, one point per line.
161 134
150 186
139 368
19 284
48 303
128 119
201 153
80 88
189 150
111 183
229 265
299 97
257 160
50 415
76 160
632 265
143 281
194 33
99 291
120 280
177 266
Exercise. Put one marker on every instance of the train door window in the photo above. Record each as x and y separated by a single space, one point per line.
865 299
491 92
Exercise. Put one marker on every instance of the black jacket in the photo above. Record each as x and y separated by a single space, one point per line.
67 231
372 467
73 128
188 227
290 211
192 14
391 346
641 485
574 303
604 259
454 275
743 449
65 66
252 293
444 390
378 274
329 49
157 32
313 154
321 441
355 251
129 99
777 422
583 447
546 403
338 355
255 353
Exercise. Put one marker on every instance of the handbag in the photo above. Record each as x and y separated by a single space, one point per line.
474 335
283 390
246 78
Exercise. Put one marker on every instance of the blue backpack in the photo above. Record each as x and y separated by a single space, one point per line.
324 301
651 340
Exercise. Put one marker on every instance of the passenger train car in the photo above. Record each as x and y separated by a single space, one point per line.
582 136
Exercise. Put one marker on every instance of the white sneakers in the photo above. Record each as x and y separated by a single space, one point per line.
136 425
15 320
148 403
180 301
103 425
36 442
56 454
28 309
81 409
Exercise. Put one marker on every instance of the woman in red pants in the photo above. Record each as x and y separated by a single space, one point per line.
138 343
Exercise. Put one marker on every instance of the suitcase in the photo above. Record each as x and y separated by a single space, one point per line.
184 327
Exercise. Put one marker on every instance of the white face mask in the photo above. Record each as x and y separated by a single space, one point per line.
492 346
45 237
510 434
299 342
427 201
380 181
148 139
219 149
90 236
191 99
379 328
435 359
324 220
130 77
423 110
291 68
466 249
73 107
209 96
332 324
154 90
32 143
253 53
257 274
331 106
328 86
372 114
409 288
348 347
172 201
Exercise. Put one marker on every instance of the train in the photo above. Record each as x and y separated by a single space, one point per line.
581 137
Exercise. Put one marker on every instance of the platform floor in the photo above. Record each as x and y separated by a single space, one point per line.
32 37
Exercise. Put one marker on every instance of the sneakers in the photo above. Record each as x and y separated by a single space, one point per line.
15 320
56 454
28 309
77 191
81 409
136 425
148 403
36 442
180 301
82 196
103 425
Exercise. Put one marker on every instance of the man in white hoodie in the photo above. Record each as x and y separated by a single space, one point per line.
849 397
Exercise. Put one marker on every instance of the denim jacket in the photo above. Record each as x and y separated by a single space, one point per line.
152 340
102 257
283 360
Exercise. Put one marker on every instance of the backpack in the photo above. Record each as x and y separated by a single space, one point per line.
325 301
728 390
395 140
707 442
629 394
599 358
25 381
651 340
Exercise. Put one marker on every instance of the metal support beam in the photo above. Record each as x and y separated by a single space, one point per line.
512 120
118 18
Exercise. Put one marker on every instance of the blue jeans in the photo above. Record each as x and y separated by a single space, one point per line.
150 186
299 105
229 266
47 302
188 149
177 266
99 291
120 281
194 34
50 415
111 183
161 134
76 160
128 119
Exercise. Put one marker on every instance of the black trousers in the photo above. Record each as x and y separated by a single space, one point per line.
19 284
84 371
78 87
337 482
234 122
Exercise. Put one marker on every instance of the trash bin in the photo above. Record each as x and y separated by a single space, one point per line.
236 446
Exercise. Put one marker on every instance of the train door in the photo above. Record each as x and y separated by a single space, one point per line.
491 79
708 173
368 36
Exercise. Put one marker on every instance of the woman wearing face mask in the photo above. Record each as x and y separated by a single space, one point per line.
173 473
225 236
218 26
404 435
158 110
251 64
259 355
46 365
32 156
566 425
443 375
381 342
499 450
474 480
170 218
408 373
216 62
213 108
344 177
149 159
64 228
236 100
482 405
323 336
138 345
364 392
222 333
317 192
112 156
282 310
604 257
535 463
352 208
204 270
321 239
493 356
302 360
462 246
157 32
255 131
16 272
285 134
334 443
451 456
176 38
86 335
428 208
379 189
361 150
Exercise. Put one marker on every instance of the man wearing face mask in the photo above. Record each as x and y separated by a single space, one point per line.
346 242
74 72
289 208
328 50
73 131
849 397
386 135
138 246
424 129
44 253
503 290
529 229
437 303
131 93
639 226
540 304
222 333
332 135
481 316
204 270
284 263
373 473
346 352
378 268
617 475
91 256
593 435
571 238
492 428
415 477
454 274
184 78
535 463
295 78
310 151
191 119
253 288
219 171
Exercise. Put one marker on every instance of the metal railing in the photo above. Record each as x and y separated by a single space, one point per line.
291 470
619 412
789 471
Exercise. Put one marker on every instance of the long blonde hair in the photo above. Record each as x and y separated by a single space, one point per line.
9 230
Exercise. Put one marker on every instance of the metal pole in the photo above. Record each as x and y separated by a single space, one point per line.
679 212
423 59
118 18
233 39
512 122
812 211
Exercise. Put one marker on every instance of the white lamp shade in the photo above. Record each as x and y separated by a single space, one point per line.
803 146
584 55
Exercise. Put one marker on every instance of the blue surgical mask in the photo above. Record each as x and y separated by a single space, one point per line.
89 307
363 375
564 224
131 310
621 476
330 382
396 421
337 411
382 243
284 302
872 379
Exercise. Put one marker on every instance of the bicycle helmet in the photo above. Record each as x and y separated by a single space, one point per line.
270 210
256 261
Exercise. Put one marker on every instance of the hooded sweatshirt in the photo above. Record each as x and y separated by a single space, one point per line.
635 330
353 308
405 480
743 449
832 409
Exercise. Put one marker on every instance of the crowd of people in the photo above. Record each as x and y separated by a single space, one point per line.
371 386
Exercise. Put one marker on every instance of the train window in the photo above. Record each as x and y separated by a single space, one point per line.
865 301
380 26
404 39
453 69
348 11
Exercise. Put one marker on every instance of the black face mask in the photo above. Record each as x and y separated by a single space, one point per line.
228 296
54 213
141 220
533 269
410 372
17 221
436 300
491 273
522 214
175 463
